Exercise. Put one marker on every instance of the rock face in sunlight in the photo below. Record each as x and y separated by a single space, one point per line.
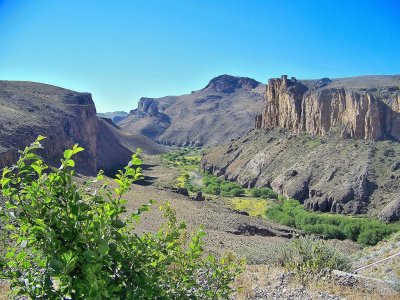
332 144
65 117
368 107
223 110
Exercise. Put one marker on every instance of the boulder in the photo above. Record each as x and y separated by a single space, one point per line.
391 212
199 197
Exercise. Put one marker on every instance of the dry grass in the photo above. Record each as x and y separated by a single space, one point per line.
4 290
259 277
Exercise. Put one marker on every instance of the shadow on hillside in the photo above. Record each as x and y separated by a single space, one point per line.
148 167
148 180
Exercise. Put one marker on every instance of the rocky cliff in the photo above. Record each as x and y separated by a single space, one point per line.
65 117
331 144
219 112
367 107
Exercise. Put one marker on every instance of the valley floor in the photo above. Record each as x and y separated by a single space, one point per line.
252 238
248 237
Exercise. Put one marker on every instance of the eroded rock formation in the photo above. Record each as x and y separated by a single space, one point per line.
65 117
366 107
331 144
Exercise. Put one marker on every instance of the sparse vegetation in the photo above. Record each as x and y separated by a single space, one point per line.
255 207
308 257
186 158
362 230
64 240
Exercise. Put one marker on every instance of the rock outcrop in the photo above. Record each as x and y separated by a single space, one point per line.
214 115
391 212
367 107
331 144
65 117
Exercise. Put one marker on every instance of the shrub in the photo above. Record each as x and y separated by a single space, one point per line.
69 241
216 186
264 193
308 257
365 231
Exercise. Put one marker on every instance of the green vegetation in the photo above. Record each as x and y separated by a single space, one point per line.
183 181
186 158
64 240
362 230
264 193
217 186
308 257
255 207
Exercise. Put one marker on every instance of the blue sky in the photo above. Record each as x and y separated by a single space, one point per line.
123 50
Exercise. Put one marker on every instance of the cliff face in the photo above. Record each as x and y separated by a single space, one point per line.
331 144
365 111
65 117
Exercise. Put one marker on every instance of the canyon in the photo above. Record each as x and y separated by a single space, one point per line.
331 144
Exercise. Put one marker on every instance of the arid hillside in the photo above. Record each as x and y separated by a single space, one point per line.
332 144
223 110
65 117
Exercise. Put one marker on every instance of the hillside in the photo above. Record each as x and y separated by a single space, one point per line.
223 110
65 117
115 116
331 144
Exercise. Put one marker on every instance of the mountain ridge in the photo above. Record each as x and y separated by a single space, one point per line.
222 110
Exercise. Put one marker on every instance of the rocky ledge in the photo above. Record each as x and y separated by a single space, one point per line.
368 106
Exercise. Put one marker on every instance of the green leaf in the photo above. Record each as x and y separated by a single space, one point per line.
90 255
68 153
37 169
118 224
70 163
56 265
76 149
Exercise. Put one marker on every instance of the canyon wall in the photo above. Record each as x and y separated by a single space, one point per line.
64 117
364 111
331 144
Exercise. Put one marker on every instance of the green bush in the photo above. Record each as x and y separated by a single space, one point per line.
264 193
217 186
308 257
362 230
64 240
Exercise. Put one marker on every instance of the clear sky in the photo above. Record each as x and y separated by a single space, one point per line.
123 50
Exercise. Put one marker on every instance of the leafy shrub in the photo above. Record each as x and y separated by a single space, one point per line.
308 257
216 186
65 240
264 193
191 187
362 230
213 189
255 207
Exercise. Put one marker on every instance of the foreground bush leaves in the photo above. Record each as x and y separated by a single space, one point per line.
63 240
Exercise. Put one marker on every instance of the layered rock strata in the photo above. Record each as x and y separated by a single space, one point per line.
367 111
